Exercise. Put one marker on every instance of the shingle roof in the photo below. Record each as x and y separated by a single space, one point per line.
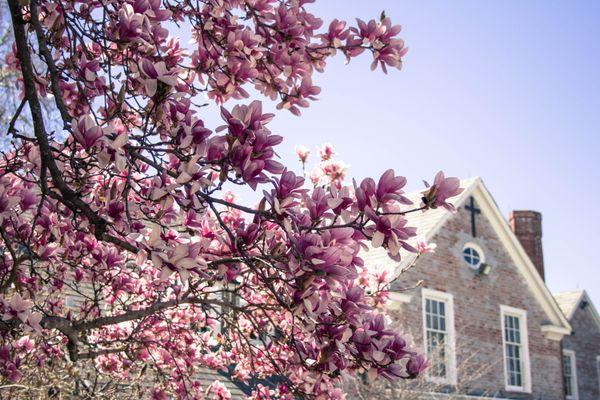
568 301
238 389
430 222
207 376
426 224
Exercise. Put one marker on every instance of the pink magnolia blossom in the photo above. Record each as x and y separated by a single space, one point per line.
7 202
335 171
130 24
183 258
302 152
133 209
316 174
442 189
423 247
218 391
87 132
154 73
326 152
19 307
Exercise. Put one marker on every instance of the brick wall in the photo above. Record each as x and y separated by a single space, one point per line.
585 341
477 303
527 226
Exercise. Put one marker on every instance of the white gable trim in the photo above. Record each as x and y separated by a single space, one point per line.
450 343
520 257
524 343
559 324
553 332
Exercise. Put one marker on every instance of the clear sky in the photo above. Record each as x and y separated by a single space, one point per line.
506 90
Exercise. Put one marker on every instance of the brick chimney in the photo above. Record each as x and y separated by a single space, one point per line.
527 226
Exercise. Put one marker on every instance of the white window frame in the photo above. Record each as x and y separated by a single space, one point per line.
450 342
573 362
524 335
479 250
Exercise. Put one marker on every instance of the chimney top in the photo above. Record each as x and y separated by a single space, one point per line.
527 226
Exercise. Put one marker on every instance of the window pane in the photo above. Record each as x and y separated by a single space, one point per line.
435 324
512 338
567 377
471 256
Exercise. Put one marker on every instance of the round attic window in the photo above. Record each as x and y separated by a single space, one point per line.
473 255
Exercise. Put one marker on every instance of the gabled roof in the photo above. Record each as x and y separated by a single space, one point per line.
430 222
238 389
427 224
570 301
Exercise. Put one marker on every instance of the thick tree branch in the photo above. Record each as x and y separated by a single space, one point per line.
54 78
68 196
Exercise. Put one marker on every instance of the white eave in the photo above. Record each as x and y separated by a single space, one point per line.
429 225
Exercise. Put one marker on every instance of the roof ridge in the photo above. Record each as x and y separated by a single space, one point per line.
430 222
470 181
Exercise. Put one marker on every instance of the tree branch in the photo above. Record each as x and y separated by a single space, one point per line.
68 196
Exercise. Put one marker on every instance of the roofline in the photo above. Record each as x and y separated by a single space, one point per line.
410 259
522 260
524 264
583 295
574 308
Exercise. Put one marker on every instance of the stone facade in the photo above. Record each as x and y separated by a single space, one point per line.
477 299
585 342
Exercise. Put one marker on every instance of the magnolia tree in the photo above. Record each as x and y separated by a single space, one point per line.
126 207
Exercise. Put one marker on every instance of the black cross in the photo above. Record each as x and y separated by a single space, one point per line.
474 211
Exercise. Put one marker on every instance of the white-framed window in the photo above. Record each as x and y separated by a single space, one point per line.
570 374
473 255
439 336
515 343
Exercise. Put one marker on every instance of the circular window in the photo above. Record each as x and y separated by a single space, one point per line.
472 255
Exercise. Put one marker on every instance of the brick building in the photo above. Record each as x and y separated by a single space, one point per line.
482 312
581 349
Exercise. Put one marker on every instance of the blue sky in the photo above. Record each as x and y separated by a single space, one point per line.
507 90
